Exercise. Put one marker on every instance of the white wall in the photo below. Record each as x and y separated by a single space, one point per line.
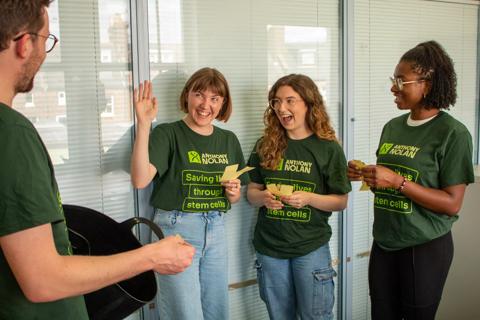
461 296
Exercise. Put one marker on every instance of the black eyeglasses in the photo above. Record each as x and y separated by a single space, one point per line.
49 43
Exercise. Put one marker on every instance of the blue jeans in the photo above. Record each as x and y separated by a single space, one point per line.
201 291
297 287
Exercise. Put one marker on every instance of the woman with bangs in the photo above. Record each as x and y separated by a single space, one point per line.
185 159
298 180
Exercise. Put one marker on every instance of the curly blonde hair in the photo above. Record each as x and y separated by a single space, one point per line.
272 146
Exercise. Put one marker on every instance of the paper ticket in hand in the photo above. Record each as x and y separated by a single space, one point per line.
231 172
280 189
360 165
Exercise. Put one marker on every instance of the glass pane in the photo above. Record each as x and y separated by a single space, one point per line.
379 44
81 104
252 44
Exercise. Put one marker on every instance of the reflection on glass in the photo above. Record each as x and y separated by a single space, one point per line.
114 31
56 54
298 49
165 31
81 104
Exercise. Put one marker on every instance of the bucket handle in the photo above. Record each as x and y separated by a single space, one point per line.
130 223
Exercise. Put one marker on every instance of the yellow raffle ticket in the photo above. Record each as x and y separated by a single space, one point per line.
359 165
231 172
280 189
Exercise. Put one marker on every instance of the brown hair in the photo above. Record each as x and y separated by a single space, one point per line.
212 79
20 15
274 142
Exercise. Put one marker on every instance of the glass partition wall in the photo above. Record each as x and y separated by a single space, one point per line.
81 104
82 100
383 31
253 43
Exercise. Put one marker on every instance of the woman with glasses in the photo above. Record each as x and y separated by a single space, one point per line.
299 154
186 159
424 163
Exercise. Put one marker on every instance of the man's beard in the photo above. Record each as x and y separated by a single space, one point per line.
24 86
27 76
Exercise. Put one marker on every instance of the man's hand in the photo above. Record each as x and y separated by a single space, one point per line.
173 255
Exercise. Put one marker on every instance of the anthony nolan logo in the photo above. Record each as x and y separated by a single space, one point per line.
194 157
399 150
207 158
385 148
280 165
294 166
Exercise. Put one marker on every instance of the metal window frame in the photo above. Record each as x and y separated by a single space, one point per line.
348 120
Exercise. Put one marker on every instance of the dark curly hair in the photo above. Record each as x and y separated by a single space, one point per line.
20 15
274 142
432 63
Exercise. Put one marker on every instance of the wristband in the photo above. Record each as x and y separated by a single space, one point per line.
402 185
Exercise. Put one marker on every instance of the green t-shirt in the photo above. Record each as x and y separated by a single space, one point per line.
313 165
436 154
190 166
29 197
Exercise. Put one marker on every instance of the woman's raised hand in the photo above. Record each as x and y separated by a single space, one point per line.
146 106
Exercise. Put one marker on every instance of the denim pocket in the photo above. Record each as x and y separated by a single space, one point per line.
166 219
260 280
323 292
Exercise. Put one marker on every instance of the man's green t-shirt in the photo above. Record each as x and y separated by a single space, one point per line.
436 154
29 197
313 165
190 166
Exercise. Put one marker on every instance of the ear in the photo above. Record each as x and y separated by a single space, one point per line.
23 46
428 87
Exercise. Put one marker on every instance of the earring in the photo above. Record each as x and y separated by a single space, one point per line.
424 95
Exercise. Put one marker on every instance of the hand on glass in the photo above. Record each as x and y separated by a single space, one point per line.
298 199
146 106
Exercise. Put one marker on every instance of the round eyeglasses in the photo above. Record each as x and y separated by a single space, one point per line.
49 43
276 103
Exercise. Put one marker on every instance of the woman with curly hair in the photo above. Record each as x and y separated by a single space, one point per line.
424 163
300 155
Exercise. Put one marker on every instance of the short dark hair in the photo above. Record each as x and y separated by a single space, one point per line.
432 63
20 15
208 78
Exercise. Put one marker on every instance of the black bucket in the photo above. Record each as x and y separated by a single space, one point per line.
95 234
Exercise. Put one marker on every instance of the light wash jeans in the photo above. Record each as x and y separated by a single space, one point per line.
297 287
201 291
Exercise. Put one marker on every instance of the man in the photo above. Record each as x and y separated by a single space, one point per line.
38 277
